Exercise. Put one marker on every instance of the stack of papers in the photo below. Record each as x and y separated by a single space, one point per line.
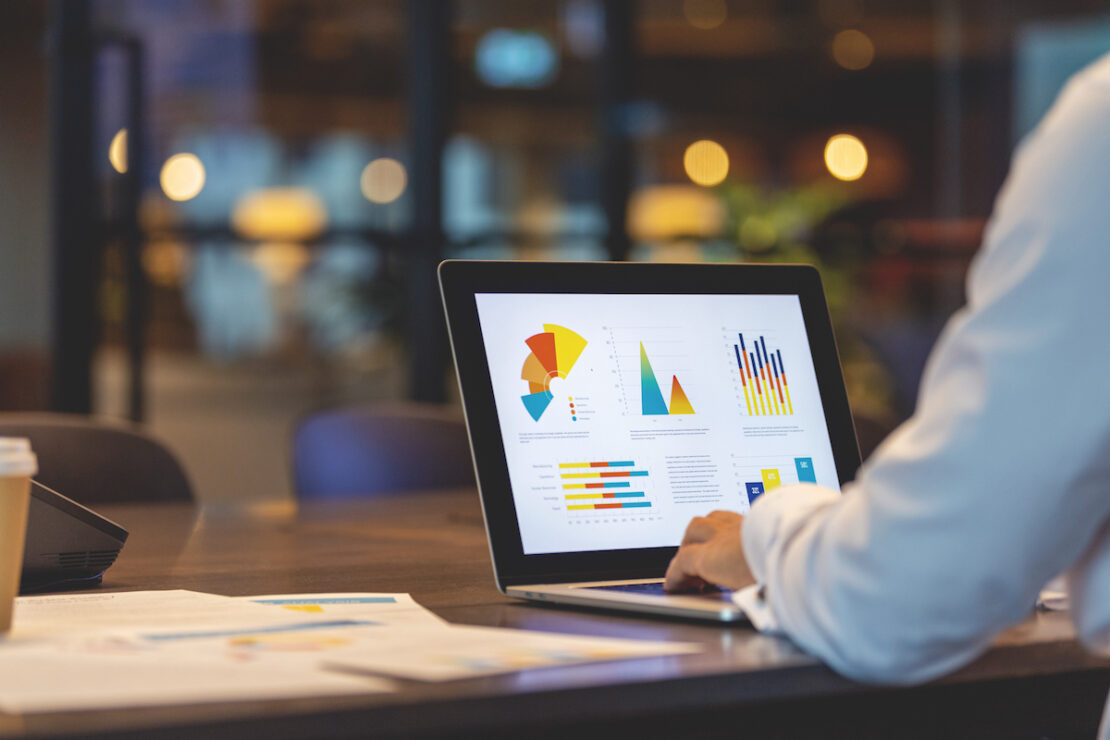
92 651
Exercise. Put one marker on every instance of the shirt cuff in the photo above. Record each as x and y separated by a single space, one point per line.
777 514
773 515
751 602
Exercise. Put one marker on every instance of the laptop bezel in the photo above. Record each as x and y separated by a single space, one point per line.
461 280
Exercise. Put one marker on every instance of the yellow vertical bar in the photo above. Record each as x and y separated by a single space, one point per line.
786 388
771 478
773 403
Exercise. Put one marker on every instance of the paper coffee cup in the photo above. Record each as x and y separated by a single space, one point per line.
17 466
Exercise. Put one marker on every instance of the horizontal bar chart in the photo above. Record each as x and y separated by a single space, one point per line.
624 505
614 494
602 485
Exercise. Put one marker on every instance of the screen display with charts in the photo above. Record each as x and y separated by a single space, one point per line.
623 416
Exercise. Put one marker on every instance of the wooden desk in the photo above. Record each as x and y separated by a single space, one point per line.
1035 683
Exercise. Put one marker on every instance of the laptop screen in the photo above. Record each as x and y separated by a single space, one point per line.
625 415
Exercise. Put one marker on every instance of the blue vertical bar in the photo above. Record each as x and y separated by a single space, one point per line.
781 366
742 342
739 362
774 365
763 345
804 466
755 490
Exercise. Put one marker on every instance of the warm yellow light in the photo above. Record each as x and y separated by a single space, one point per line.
279 214
846 157
668 211
706 162
384 180
280 262
853 49
182 176
165 263
117 151
705 14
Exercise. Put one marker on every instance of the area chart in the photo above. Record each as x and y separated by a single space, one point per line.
652 402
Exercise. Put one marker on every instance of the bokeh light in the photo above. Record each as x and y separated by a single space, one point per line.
166 263
846 157
117 151
506 57
280 262
182 177
853 49
280 214
705 14
384 180
706 162
669 211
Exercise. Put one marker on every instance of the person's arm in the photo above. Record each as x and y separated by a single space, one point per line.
1000 479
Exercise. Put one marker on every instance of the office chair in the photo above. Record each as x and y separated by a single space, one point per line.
95 461
373 449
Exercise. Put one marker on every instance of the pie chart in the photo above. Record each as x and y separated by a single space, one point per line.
554 352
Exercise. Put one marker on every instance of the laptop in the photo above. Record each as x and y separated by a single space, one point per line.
610 403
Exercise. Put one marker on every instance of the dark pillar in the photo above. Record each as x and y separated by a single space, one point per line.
74 225
132 237
616 77
429 60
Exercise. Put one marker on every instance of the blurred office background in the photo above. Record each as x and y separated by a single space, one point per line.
219 215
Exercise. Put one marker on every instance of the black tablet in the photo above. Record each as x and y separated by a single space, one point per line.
610 403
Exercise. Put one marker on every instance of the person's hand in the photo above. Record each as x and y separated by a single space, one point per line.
710 554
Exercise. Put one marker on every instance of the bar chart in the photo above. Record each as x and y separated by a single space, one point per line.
759 477
603 485
763 378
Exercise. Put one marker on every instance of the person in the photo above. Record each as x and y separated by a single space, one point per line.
1001 478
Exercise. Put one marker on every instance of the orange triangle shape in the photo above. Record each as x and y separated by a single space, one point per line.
680 404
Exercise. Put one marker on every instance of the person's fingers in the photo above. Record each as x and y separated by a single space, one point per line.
682 573
724 516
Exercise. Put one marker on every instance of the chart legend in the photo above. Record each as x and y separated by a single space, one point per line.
554 353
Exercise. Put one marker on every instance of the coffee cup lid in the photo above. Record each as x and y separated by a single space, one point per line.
16 457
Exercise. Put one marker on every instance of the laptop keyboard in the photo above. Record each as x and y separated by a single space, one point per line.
656 588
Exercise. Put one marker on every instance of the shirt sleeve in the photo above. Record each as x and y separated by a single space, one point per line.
998 481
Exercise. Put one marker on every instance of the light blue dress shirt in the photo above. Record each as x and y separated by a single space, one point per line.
1001 479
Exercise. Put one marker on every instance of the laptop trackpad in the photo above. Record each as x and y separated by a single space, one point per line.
656 589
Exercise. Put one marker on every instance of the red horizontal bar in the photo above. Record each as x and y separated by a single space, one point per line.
608 506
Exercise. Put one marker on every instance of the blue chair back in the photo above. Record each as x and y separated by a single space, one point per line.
373 449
